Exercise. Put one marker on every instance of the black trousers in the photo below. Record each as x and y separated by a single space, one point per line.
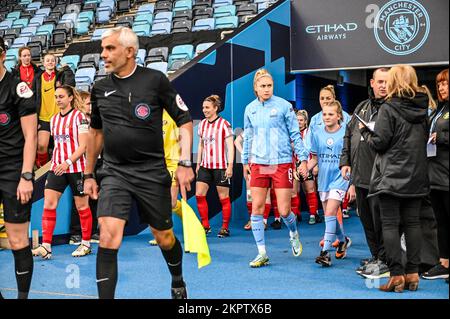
439 201
396 211
369 214
429 255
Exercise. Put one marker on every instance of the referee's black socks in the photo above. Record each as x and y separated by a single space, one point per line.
174 258
23 260
106 272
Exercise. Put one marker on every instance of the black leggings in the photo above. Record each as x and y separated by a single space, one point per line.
404 211
439 201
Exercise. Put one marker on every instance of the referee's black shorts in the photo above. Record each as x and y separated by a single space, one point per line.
213 177
13 211
153 200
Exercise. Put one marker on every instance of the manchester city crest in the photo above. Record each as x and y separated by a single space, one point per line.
402 27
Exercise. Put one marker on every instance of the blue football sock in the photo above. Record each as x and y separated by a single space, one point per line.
330 232
291 223
258 232
340 231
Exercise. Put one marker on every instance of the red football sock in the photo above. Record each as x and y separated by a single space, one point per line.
295 204
202 206
313 203
226 212
339 216
266 211
345 203
41 159
249 208
86 223
48 225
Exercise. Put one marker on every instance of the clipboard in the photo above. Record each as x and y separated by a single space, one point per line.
364 123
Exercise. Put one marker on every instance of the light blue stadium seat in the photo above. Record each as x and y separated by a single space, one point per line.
140 57
86 16
142 30
227 22
34 6
103 15
25 2
204 24
181 5
82 27
181 52
143 19
6 24
20 23
13 15
201 47
97 35
108 3
85 76
70 18
147 8
221 3
43 12
9 64
162 17
45 29
28 32
225 11
36 21
20 42
161 28
160 66
12 54
71 60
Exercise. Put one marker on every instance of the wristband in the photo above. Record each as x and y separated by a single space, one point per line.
69 162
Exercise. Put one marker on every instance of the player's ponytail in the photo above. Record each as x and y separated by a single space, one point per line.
77 102
329 88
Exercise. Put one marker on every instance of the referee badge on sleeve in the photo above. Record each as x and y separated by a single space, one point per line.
180 103
23 90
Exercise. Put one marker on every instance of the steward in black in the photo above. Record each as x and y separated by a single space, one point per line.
400 168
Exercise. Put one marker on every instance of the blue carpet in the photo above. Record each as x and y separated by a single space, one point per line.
143 273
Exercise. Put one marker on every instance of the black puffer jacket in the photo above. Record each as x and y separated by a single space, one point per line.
16 71
400 140
63 76
438 165
356 153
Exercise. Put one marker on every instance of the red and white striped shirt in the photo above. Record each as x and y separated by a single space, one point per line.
213 137
65 130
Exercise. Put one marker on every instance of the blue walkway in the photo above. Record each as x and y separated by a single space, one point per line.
143 274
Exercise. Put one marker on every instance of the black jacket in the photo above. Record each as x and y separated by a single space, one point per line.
356 153
400 140
15 72
438 165
63 76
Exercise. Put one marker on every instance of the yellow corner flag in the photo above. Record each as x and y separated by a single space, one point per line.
194 235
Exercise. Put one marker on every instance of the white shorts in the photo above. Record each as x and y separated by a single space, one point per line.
336 194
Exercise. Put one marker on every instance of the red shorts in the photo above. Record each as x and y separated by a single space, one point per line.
276 176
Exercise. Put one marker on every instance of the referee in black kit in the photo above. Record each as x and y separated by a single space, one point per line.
18 143
127 123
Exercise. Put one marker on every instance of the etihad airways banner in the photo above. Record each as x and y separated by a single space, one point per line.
352 34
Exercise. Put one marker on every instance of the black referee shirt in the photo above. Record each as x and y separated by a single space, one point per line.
12 108
129 111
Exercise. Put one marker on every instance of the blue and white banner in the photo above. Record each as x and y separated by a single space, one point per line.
352 34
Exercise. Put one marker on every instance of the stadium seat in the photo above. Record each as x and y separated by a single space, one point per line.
83 87
59 38
12 54
181 52
93 58
181 5
176 65
203 13
28 32
73 8
160 54
86 16
182 26
123 6
36 21
100 74
200 4
71 60
221 3
70 18
20 23
143 19
13 31
46 30
13 15
20 42
97 35
36 50
161 28
201 47
140 57
142 30
9 39
34 6
7 24
43 12
126 21
25 2
160 66
225 11
146 9
163 17
85 76
204 24
41 39
163 6
227 22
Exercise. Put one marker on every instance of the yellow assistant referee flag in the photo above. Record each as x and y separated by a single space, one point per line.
194 235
